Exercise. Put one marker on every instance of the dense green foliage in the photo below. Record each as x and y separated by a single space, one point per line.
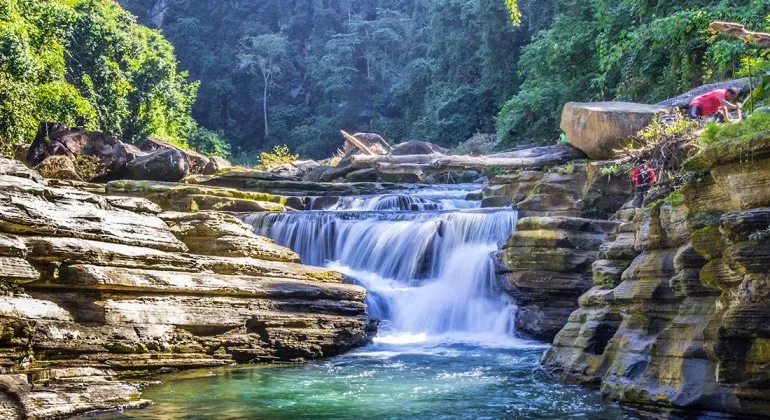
89 63
296 72
636 50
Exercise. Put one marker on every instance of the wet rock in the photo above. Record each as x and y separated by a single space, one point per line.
686 326
545 265
600 128
112 291
573 190
58 393
164 165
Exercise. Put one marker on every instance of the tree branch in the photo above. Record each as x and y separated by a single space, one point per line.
739 31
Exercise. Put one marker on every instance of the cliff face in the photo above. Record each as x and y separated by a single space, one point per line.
546 263
685 326
113 287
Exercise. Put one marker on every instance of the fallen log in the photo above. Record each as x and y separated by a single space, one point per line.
482 162
528 158
399 159
739 31
362 147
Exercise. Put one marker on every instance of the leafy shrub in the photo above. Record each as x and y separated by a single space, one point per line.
61 102
757 122
675 198
209 143
279 156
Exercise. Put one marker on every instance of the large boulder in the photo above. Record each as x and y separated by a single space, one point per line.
295 170
197 162
164 165
417 147
215 165
478 145
601 128
374 142
54 139
58 167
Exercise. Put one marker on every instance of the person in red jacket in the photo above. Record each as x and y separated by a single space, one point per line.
644 178
708 104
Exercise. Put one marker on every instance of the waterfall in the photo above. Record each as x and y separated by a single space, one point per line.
426 259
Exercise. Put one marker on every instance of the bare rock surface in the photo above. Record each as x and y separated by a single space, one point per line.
98 288
196 162
572 190
163 165
171 196
600 128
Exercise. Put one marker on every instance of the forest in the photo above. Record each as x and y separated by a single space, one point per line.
238 77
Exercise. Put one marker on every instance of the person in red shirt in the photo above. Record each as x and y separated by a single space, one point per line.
712 102
644 178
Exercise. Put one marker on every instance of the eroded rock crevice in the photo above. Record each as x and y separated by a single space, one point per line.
677 316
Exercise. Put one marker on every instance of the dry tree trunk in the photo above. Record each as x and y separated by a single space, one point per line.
739 31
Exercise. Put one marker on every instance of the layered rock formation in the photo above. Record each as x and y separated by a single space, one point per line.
114 287
687 326
546 265
572 190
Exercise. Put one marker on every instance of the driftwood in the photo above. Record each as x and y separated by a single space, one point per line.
362 147
739 31
436 162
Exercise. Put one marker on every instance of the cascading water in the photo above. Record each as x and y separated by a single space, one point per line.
445 348
425 258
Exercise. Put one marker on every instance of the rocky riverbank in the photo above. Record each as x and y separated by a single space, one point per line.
677 316
98 288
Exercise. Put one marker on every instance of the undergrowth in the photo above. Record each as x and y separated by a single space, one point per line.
714 133
279 156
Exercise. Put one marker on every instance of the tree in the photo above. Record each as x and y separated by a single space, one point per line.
262 55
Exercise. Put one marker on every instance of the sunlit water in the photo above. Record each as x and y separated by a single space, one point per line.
420 380
446 347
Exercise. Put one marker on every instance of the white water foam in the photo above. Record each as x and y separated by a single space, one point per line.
429 273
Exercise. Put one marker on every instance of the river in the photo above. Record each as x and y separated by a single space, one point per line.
446 346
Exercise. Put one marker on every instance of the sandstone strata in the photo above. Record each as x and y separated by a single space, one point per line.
114 287
572 190
687 326
546 265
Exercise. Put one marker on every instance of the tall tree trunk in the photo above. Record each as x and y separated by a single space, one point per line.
264 105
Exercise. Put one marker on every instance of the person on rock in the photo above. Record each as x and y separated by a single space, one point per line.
719 102
644 178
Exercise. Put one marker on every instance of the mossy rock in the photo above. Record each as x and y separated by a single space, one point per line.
743 149
709 242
